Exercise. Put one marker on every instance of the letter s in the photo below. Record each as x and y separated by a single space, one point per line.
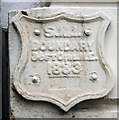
49 31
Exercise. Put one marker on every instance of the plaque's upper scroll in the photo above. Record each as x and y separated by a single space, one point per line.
62 59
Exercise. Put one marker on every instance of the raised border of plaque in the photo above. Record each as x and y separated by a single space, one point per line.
34 80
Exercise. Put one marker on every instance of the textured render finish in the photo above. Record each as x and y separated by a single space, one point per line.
15 50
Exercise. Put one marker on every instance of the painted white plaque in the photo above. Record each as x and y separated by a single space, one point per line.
62 59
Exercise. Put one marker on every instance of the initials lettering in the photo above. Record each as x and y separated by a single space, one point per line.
61 31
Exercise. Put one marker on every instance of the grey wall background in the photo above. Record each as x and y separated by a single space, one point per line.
8 6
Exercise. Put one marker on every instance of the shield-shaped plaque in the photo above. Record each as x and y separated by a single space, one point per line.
62 59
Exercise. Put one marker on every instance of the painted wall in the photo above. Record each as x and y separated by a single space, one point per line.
102 108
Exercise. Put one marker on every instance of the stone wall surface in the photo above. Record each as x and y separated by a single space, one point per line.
105 107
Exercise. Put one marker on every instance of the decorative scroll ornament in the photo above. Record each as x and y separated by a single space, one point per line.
62 59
